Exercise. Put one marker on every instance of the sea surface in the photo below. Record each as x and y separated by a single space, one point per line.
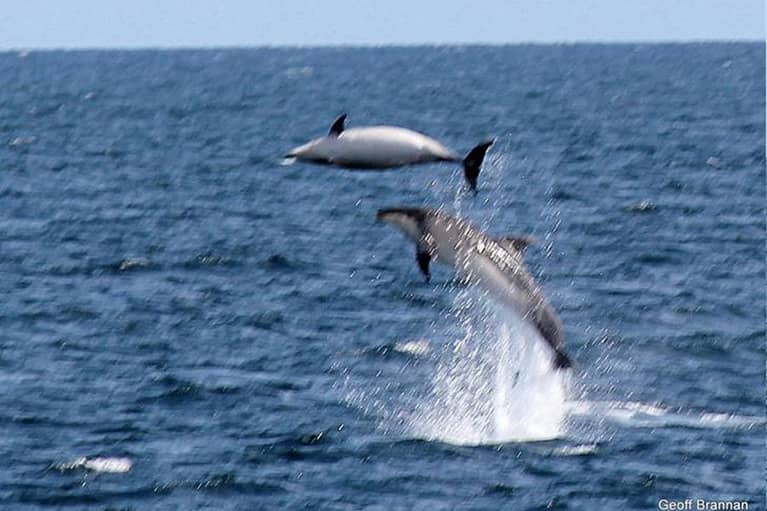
190 322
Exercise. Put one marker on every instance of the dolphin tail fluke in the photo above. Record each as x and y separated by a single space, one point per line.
473 163
562 360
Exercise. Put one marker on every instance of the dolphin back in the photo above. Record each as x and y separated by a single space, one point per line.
549 325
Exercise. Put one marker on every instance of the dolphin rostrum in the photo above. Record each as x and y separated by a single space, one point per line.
384 147
494 264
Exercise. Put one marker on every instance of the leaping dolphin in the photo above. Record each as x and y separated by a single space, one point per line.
384 147
494 264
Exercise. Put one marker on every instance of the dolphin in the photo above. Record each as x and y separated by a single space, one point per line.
384 147
496 265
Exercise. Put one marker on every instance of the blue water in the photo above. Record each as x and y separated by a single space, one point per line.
230 332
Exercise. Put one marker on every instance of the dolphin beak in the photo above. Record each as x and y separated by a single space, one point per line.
382 214
389 215
295 152
299 151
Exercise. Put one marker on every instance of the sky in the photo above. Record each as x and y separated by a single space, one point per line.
29 24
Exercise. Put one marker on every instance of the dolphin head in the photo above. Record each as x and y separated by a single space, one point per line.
411 221
319 150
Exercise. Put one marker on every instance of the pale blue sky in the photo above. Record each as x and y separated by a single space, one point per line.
198 23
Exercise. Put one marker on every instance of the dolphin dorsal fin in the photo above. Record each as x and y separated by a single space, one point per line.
338 126
518 243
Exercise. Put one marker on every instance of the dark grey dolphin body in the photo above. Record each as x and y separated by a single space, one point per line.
494 264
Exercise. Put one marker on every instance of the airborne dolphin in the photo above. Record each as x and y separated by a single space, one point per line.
494 264
384 147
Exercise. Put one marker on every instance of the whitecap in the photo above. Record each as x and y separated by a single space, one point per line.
106 465
133 263
636 414
419 347
109 465
575 450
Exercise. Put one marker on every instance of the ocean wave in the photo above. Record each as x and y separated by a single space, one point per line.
636 414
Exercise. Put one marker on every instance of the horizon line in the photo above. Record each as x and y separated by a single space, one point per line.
372 45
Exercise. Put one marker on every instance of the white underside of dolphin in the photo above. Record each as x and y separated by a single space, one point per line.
384 147
374 147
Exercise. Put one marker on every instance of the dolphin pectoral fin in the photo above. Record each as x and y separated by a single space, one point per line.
518 243
472 163
562 360
338 126
423 257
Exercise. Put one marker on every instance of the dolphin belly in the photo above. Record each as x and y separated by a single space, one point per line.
387 147
375 147
384 147
483 272
528 303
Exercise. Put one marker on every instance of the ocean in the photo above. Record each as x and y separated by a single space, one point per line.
190 323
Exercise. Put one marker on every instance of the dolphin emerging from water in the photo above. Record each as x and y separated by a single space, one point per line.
384 147
494 264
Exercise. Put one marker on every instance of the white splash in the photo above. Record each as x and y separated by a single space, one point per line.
495 384
418 347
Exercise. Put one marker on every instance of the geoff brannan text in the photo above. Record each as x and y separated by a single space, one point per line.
702 505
